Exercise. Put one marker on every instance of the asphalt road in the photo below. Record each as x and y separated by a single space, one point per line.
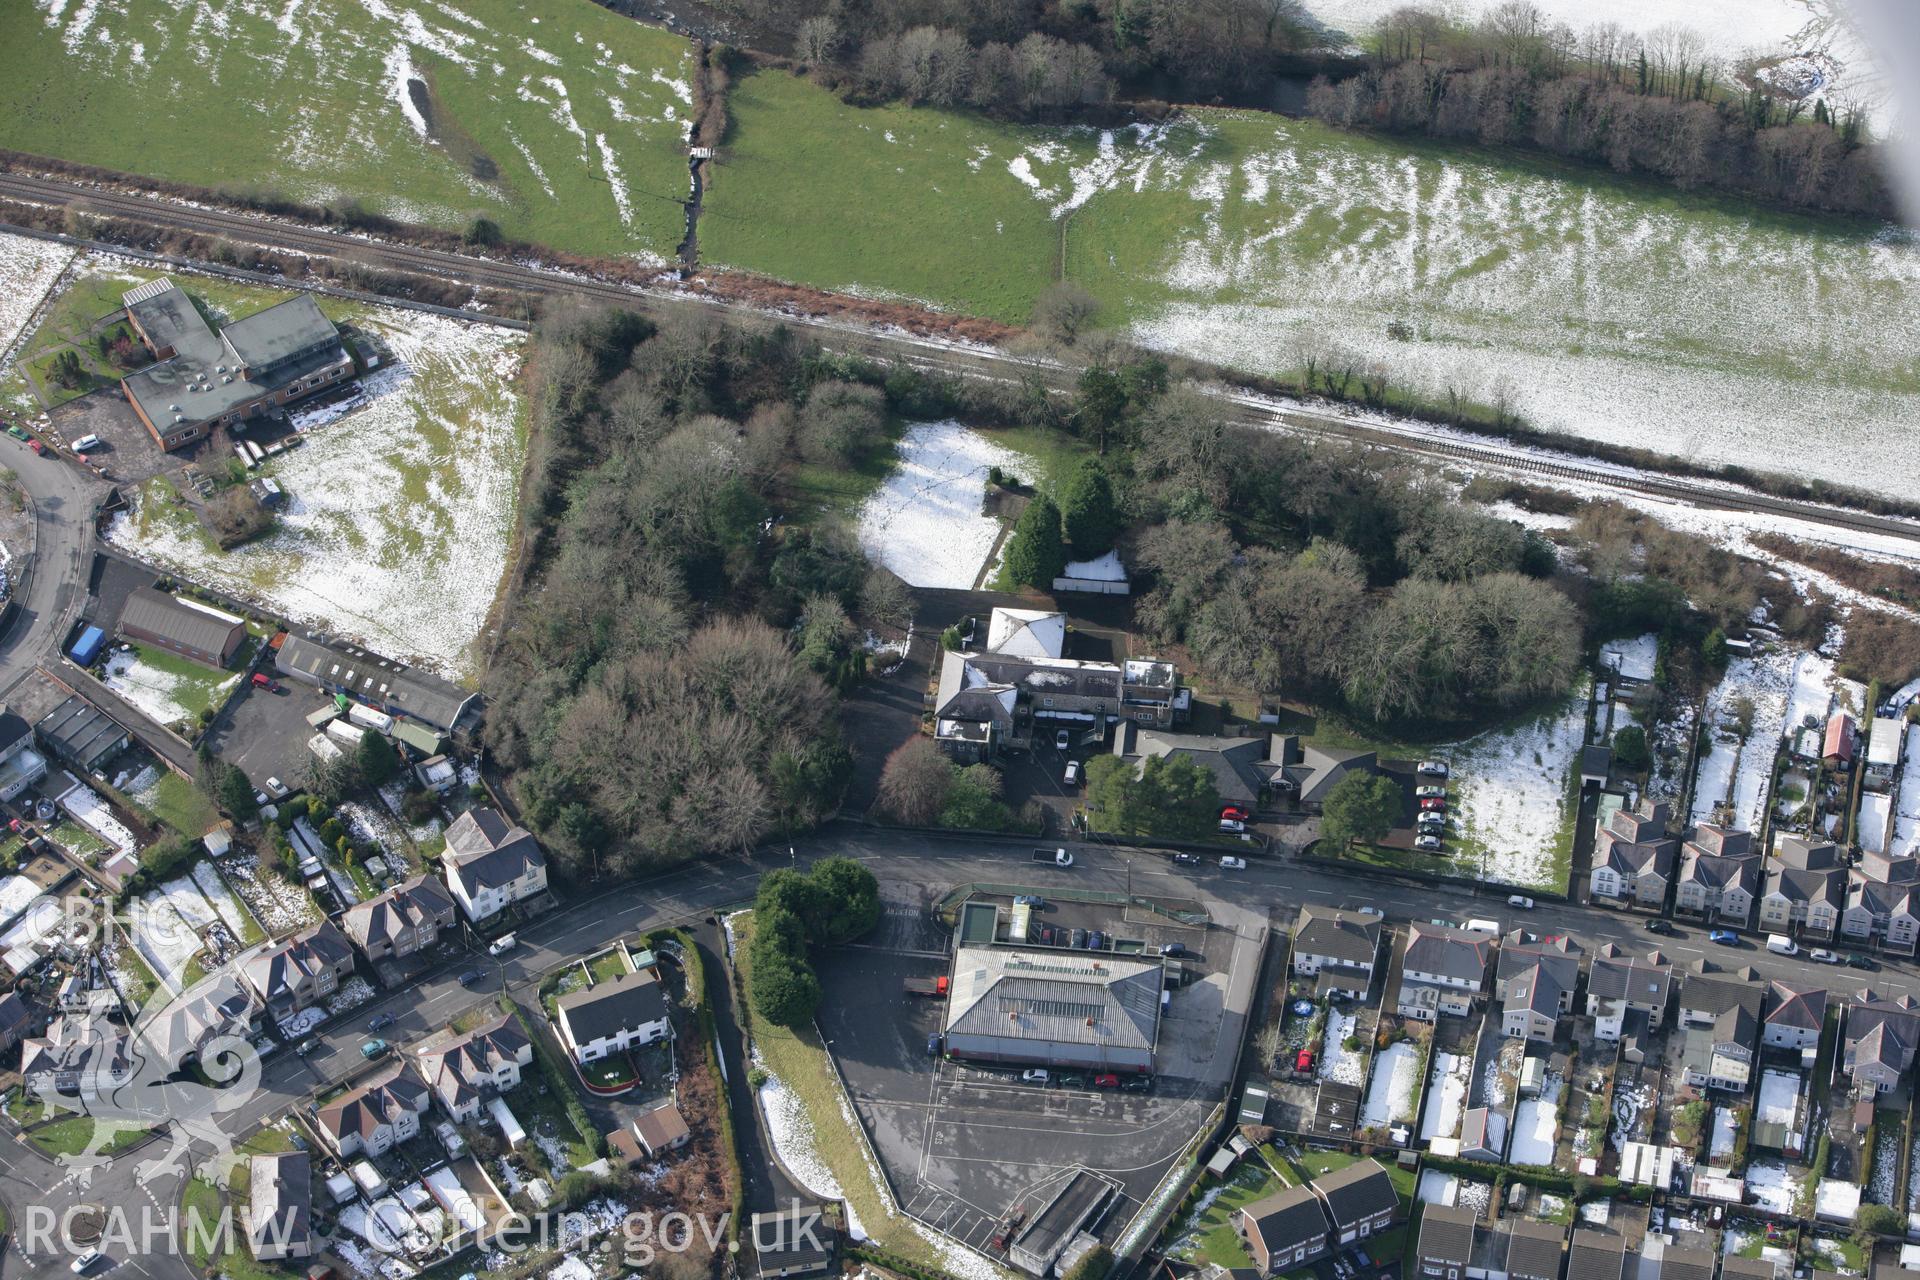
690 893
64 498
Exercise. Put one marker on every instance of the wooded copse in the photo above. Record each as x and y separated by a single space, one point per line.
1652 104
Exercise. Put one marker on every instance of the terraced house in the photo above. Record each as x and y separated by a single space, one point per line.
1720 877
202 378
1634 857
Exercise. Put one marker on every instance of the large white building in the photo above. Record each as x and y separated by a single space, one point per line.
492 863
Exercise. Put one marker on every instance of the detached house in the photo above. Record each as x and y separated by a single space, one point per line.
1883 902
371 1119
1879 1039
1720 877
613 1016
404 920
1359 1200
1720 1016
1619 984
1338 949
1443 970
492 863
1285 1231
1795 1014
477 1067
1634 858
299 970
1535 983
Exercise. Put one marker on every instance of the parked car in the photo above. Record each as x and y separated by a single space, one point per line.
1096 941
36 446
1106 1080
1071 1081
1072 775
502 944
1137 1084
86 442
380 1021
1521 901
17 431
1428 844
1175 949
1079 938
1230 863
304 1048
1062 740
1232 824
1724 937
933 1044
86 1262
1820 955
1185 860
1435 805
1235 812
1657 925
373 1049
1430 791
1303 1062
472 976
1033 900
1858 961
1375 912
276 788
1434 768
1034 1075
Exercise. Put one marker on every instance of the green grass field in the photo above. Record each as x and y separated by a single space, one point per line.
560 120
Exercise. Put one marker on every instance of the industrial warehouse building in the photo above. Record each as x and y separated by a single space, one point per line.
381 683
193 630
201 378
1065 1009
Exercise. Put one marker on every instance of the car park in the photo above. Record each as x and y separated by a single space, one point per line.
1230 863
1185 860
1521 901
380 1021
1430 792
1724 938
1820 955
1428 844
1034 1075
1433 768
1232 825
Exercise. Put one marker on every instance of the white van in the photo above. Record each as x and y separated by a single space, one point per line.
502 944
85 443
1781 945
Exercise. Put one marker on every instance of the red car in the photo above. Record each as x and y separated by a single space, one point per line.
1235 812
35 445
1108 1081
1303 1063
1435 805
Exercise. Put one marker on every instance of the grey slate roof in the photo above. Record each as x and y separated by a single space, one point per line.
1235 763
379 1101
1637 979
1315 770
1686 1264
1453 953
1070 998
392 686
1793 1005
487 851
1352 938
1534 1250
1715 995
1356 1193
606 1009
1596 1256
276 969
159 614
458 1069
1285 1219
1446 1234
407 905
281 1204
202 379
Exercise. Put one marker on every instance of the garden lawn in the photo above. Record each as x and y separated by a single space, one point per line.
561 121
1209 1236
607 966
181 805
69 1137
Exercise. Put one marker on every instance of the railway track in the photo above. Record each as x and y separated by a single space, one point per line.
927 355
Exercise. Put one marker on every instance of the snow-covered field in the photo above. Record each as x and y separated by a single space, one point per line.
1770 1186
1337 1062
1451 1075
1390 1095
1886 1169
166 940
1876 814
152 690
84 805
925 522
28 268
397 526
1510 798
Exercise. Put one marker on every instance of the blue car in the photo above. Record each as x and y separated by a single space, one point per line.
1725 937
